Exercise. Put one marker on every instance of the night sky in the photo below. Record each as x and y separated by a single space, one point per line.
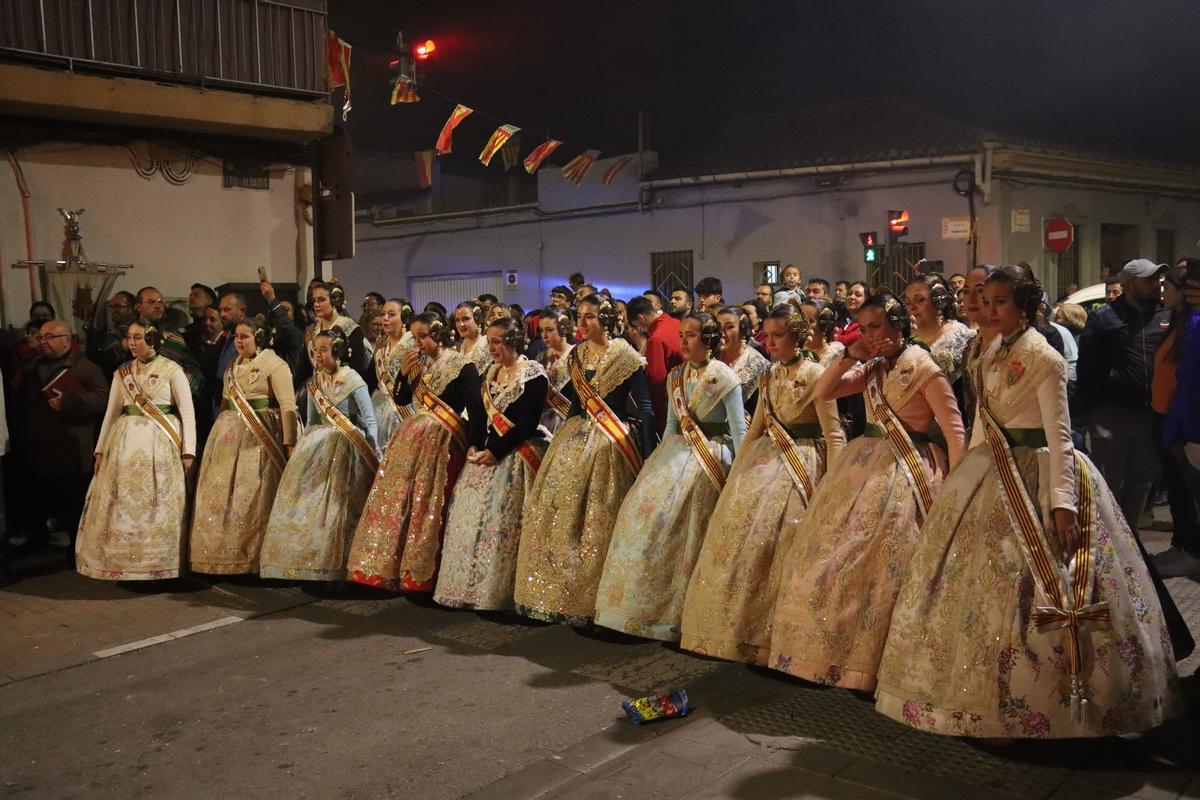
1119 76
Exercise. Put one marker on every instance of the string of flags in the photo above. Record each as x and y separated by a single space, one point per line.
505 139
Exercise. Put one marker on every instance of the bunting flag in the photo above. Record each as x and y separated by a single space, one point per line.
612 171
424 168
459 113
510 154
337 68
497 140
539 154
580 166
404 92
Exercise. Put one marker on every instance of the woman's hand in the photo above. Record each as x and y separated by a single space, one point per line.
860 350
188 461
410 363
483 457
1066 525
96 459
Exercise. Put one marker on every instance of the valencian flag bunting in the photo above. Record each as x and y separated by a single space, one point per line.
510 154
612 171
404 92
578 168
497 140
337 68
424 168
459 113
539 154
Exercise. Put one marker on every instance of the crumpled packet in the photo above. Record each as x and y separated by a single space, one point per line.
666 705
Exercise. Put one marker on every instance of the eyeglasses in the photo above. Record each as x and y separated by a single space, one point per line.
47 337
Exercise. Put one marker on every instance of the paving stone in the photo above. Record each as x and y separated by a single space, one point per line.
806 754
608 744
530 782
755 779
1158 785
916 784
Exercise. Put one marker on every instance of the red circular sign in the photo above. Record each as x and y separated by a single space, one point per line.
1059 234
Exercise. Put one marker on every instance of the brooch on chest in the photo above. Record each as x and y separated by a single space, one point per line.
1014 372
905 376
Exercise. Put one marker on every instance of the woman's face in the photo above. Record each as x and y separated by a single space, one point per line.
138 348
780 343
1172 296
497 349
589 323
425 343
752 313
464 321
496 312
1002 311
856 297
876 331
920 307
243 341
972 303
323 351
814 341
691 345
549 328
393 319
622 313
322 306
731 337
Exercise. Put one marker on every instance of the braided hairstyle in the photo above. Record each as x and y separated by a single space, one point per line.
513 332
798 325
564 321
710 330
606 311
893 310
826 321
1027 292
941 296
439 330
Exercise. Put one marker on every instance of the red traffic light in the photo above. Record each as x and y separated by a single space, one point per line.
898 222
425 49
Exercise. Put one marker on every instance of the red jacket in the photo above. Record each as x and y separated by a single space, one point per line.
662 354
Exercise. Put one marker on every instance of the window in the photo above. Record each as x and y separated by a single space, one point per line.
671 270
765 272
1164 246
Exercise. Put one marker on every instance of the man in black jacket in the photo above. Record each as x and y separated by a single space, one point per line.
1112 396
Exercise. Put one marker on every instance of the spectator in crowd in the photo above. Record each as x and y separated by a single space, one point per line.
681 302
1112 288
1176 363
41 311
107 348
1071 316
576 281
584 290
708 292
662 350
287 333
818 289
62 397
957 282
200 297
561 297
763 293
840 290
487 302
151 309
1115 371
1068 290
371 304
791 288
435 307
757 314
657 299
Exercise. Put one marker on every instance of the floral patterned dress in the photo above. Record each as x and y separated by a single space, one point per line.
965 655
386 358
557 374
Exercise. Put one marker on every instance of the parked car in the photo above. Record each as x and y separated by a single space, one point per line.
1089 297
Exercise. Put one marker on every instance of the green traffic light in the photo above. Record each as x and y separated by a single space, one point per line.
869 255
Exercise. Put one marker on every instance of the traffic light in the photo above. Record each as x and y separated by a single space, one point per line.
424 49
870 245
897 223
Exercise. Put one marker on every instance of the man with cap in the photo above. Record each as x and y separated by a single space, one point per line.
1112 396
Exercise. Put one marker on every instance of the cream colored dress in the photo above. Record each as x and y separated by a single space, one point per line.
135 515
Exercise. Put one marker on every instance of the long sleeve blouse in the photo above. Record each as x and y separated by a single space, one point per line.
165 384
461 393
729 409
635 387
524 411
353 399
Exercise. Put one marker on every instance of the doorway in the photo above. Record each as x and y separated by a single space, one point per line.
1118 244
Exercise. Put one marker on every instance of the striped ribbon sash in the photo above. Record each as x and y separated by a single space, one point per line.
139 398
692 433
342 423
602 415
446 416
557 401
1066 590
792 459
251 420
503 425
387 380
898 440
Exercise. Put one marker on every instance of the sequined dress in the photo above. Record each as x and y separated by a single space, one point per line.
750 366
727 612
386 359
556 373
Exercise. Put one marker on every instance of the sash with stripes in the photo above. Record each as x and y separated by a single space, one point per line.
792 459
446 416
387 380
602 415
557 401
331 412
1066 589
503 425
691 430
898 439
251 420
149 410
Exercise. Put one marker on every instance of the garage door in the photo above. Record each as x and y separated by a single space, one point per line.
450 290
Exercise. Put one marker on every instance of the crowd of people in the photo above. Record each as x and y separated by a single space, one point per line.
882 491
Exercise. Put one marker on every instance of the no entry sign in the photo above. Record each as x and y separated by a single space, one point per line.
1059 234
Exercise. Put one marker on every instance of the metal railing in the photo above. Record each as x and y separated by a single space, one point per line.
253 45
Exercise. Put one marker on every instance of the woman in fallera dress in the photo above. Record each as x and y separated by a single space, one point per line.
325 484
1028 610
397 315
976 315
557 326
244 459
327 300
483 524
468 323
134 517
822 331
661 524
590 465
399 538
931 305
842 571
737 353
794 436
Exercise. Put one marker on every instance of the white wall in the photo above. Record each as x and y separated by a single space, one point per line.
173 235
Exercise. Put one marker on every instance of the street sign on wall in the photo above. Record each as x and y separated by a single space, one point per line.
1059 234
